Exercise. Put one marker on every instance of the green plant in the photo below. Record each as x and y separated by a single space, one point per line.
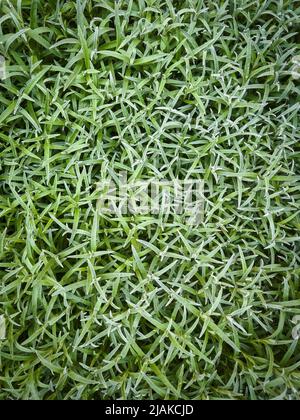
146 306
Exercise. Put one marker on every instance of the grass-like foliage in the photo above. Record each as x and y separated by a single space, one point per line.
142 306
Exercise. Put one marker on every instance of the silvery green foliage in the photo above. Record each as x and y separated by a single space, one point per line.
148 306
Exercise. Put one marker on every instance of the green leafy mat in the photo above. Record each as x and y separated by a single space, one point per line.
144 306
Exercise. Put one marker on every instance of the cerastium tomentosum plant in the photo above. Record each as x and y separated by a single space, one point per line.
139 303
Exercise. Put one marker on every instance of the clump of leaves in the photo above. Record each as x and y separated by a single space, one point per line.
140 306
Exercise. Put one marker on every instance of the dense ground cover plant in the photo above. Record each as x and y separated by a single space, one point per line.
146 306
